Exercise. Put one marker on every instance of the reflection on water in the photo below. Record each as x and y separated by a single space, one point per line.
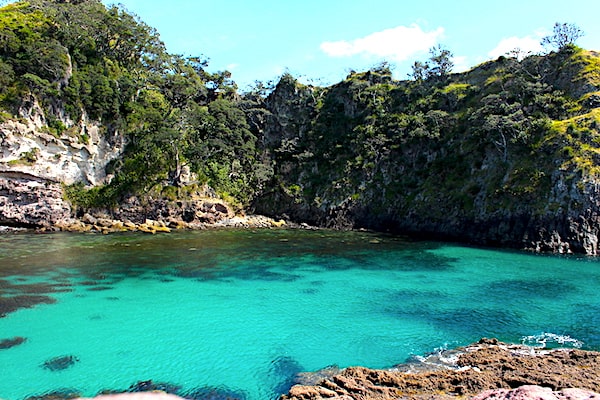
242 314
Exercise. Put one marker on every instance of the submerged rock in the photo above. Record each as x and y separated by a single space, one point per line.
138 396
212 393
150 386
283 373
60 363
60 394
14 303
8 343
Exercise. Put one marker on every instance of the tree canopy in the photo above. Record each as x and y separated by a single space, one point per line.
105 64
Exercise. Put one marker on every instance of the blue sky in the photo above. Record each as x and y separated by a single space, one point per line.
320 41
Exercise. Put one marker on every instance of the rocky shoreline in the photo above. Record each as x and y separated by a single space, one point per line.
105 224
488 369
33 203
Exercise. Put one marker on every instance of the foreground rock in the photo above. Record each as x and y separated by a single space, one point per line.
473 370
30 201
530 392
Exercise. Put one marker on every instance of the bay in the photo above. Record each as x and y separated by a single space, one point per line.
239 312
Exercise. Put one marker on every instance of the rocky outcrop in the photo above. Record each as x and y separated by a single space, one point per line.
433 159
104 223
79 153
35 160
467 372
29 201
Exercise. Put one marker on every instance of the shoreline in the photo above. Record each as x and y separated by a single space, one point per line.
488 369
106 225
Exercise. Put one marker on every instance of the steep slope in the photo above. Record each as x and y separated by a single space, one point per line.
505 154
91 100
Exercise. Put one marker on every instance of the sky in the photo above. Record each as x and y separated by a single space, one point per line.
321 41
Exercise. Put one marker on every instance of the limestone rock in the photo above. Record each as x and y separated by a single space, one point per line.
29 201
67 158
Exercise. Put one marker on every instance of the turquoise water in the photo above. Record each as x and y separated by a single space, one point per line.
239 313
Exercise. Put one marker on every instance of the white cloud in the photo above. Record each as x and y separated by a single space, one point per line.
524 45
460 64
231 67
395 44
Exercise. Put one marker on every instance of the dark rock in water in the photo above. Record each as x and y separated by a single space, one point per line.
60 394
14 303
60 363
313 378
8 343
99 288
211 393
283 373
149 386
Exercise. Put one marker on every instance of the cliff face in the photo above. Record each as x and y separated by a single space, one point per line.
505 154
35 163
31 202
79 154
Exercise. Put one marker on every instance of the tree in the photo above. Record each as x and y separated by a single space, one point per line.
439 65
563 35
419 71
441 61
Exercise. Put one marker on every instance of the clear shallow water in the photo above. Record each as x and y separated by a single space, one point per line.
242 312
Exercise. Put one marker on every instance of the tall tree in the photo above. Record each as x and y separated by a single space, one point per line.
439 65
563 35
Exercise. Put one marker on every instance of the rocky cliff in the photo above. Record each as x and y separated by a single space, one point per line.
80 153
35 164
505 154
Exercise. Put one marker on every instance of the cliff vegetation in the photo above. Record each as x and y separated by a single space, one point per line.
81 61
507 153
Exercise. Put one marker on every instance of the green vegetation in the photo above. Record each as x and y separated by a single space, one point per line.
26 158
104 64
442 146
371 149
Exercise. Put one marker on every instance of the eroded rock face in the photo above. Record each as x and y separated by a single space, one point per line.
485 366
79 154
29 201
35 161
